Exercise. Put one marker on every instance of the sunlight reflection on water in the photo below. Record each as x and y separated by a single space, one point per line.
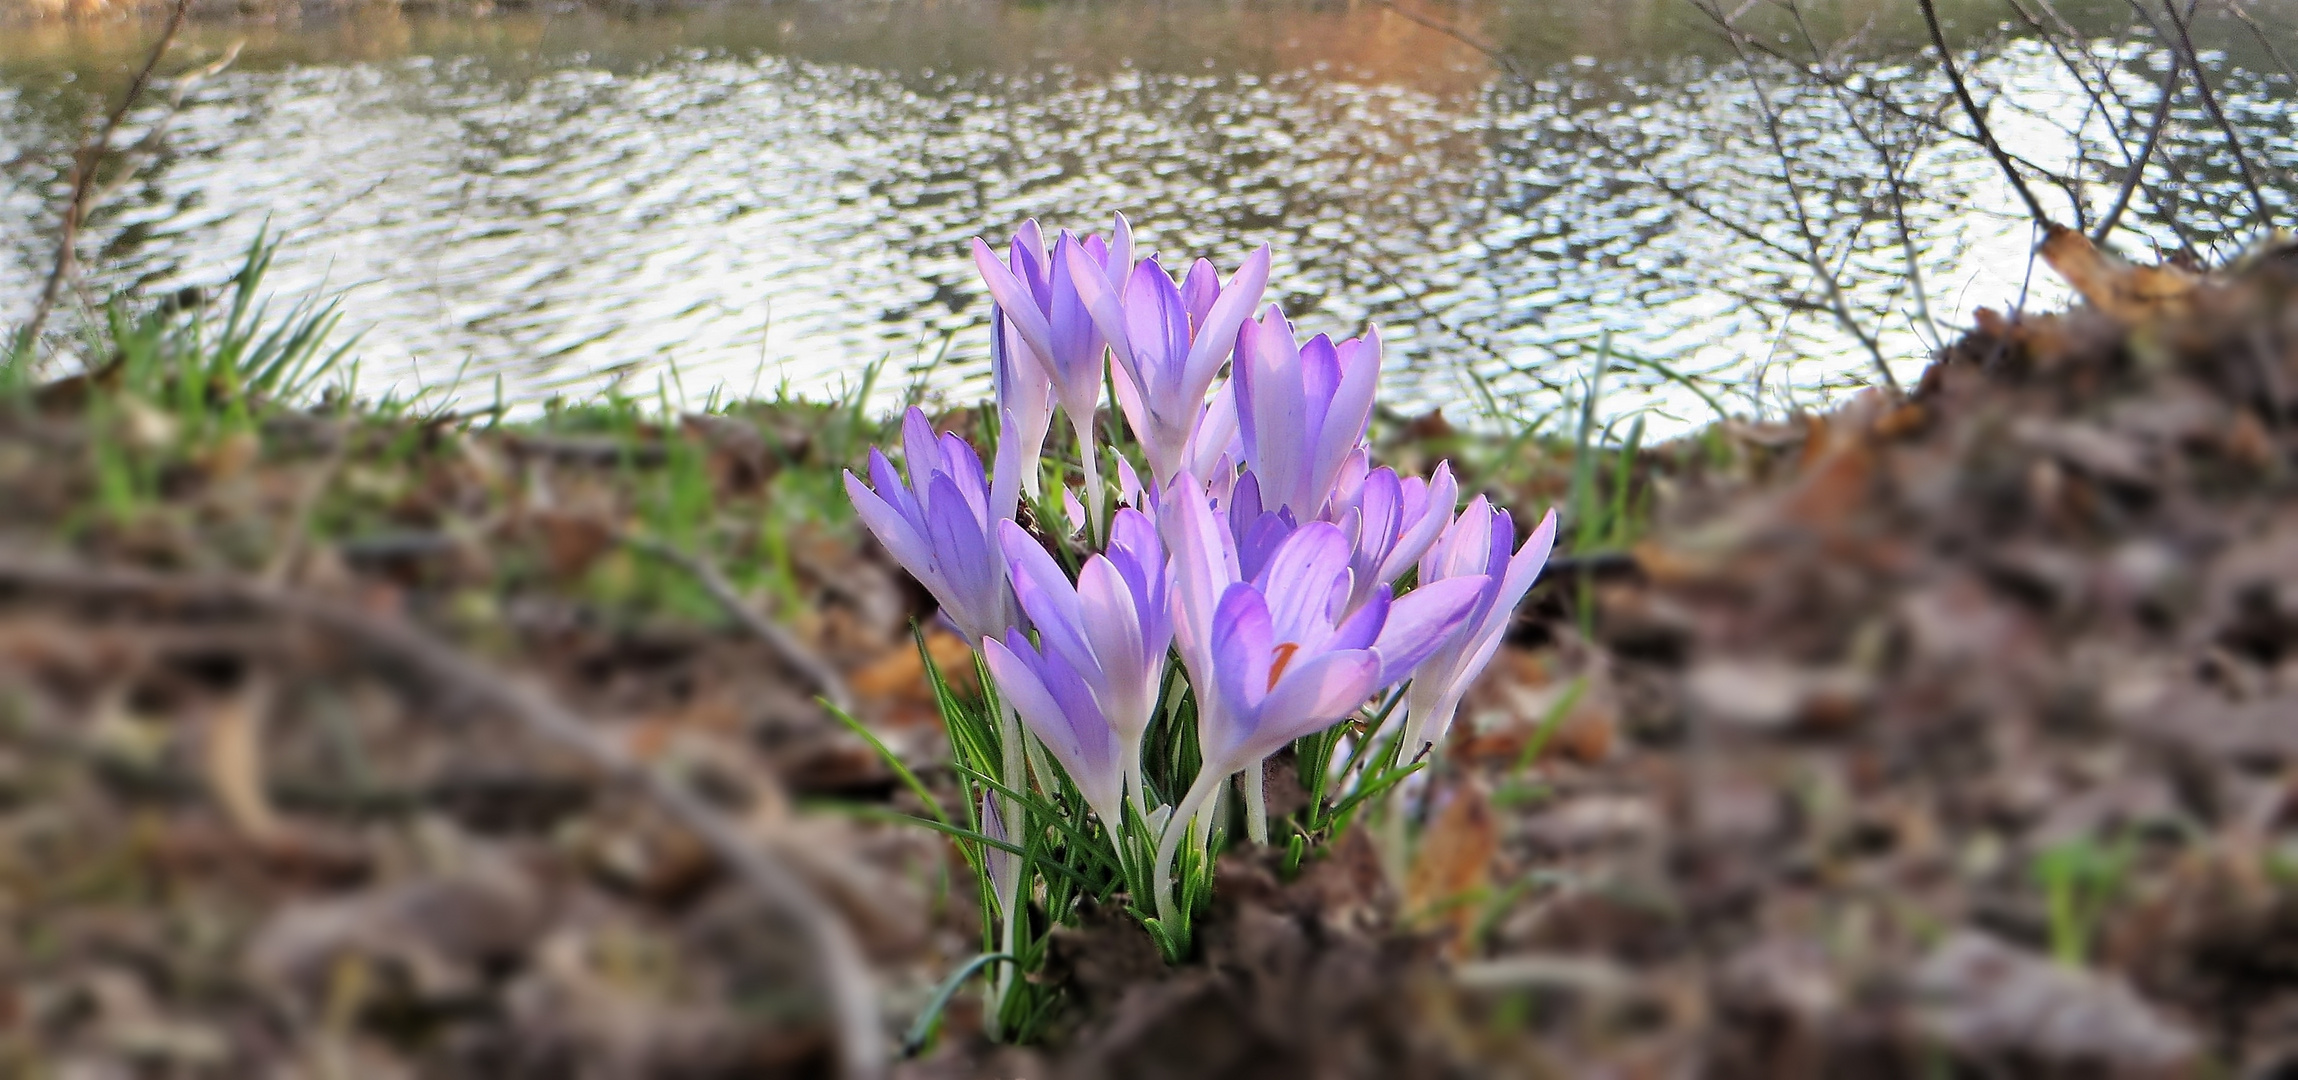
587 199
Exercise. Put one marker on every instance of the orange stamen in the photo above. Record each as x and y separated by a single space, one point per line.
1284 655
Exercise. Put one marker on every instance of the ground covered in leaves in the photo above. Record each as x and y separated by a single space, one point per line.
1948 734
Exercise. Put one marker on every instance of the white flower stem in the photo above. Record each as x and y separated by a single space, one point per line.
1256 802
1009 736
1094 499
1209 780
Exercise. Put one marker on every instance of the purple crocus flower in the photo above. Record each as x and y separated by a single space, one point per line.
1390 521
1170 342
1089 686
1276 656
1302 409
1024 402
1040 292
1474 547
938 524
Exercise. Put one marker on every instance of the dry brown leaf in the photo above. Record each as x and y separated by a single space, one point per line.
897 674
2123 292
1454 865
1991 1002
233 760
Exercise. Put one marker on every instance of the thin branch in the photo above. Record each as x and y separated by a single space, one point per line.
852 1001
1977 116
2130 179
84 163
792 651
2210 102
1894 179
2265 40
1814 256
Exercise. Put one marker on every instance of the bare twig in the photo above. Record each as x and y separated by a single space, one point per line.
84 163
1895 184
2265 41
1977 116
1814 249
792 651
846 977
2130 179
2185 42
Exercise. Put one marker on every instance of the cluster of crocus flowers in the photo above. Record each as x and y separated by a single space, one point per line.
1264 551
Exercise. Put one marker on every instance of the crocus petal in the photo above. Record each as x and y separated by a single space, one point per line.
1310 696
1019 303
1299 578
1217 332
1044 593
896 534
1055 705
1239 675
1420 622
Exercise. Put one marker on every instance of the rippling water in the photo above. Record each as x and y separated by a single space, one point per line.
777 196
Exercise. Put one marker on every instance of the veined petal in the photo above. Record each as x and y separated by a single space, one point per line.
1241 663
1299 580
1054 703
1020 304
1076 342
1045 594
901 539
1426 521
971 572
1199 290
1157 325
1217 333
1312 695
1422 620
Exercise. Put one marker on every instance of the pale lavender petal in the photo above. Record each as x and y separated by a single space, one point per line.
1157 326
1044 593
1429 513
962 464
1128 483
1217 332
1216 433
1020 304
1301 578
1349 409
972 572
1362 627
1311 696
901 539
1261 540
1200 290
1422 620
921 452
1241 645
1104 300
1056 707
1076 343
890 487
1120 264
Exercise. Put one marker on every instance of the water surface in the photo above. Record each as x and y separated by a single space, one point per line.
779 195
